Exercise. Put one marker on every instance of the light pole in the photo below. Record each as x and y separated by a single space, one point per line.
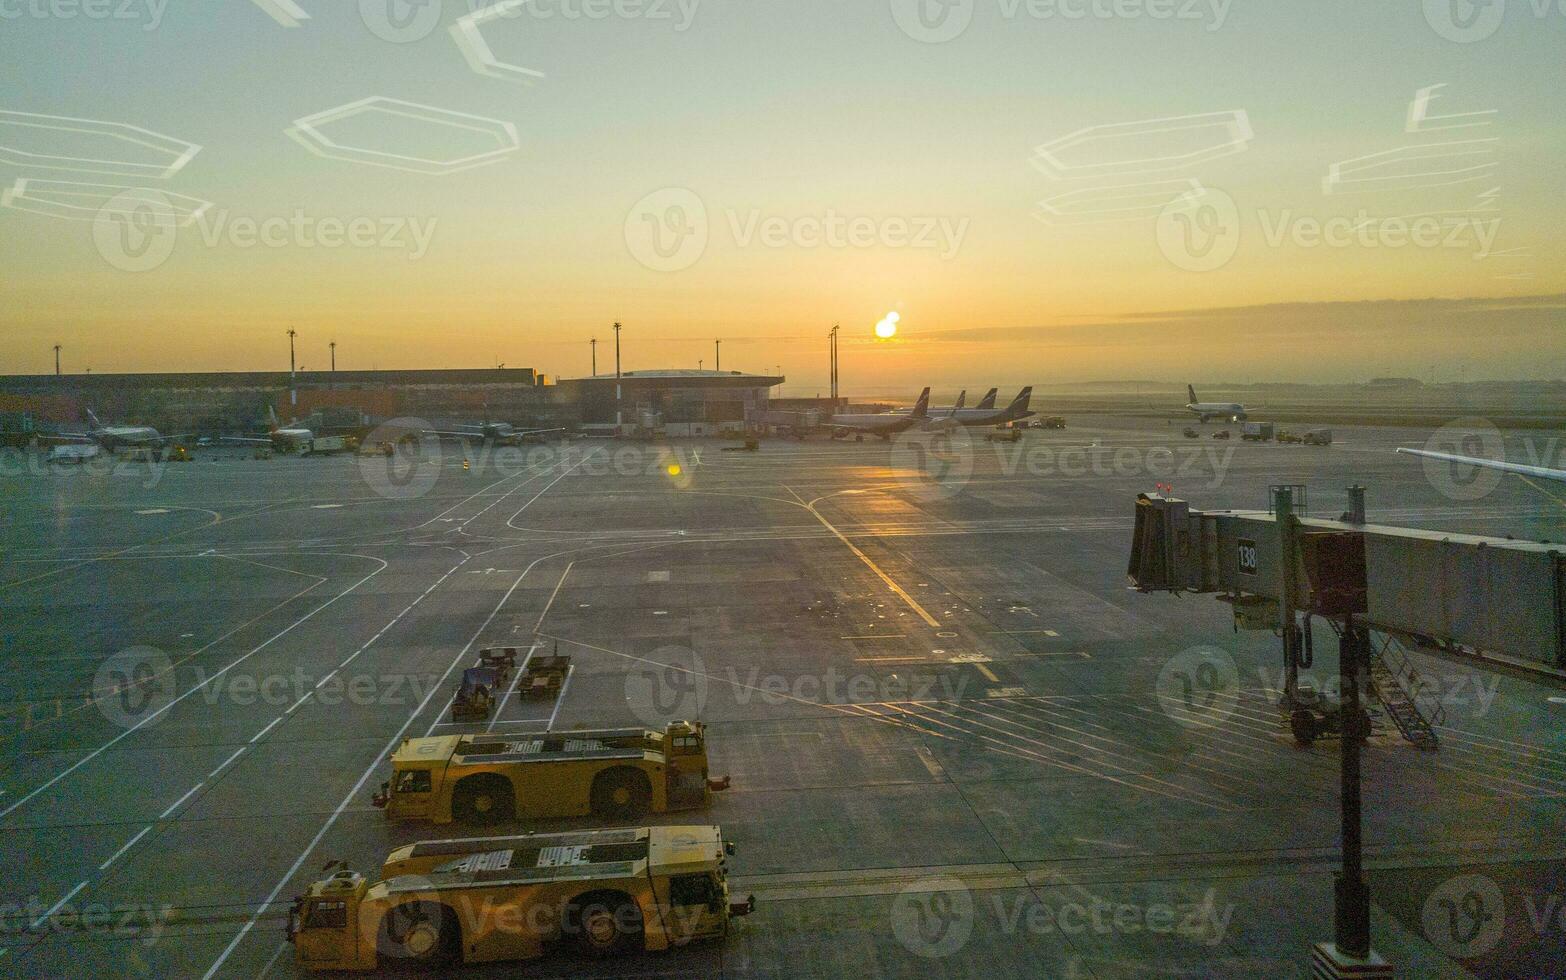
57 360
618 418
594 344
333 346
833 338
717 355
293 388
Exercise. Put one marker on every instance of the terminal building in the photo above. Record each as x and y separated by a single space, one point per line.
671 402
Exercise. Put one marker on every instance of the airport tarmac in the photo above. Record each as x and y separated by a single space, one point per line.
956 737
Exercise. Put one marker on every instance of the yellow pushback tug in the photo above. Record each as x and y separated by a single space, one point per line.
616 775
506 898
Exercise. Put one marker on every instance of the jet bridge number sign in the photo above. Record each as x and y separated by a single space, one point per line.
1246 552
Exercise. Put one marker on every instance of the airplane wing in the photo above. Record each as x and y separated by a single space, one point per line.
246 440
538 432
1522 469
65 437
451 434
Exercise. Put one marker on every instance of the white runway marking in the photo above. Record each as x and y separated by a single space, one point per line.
127 846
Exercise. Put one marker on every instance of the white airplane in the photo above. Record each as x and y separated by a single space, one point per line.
294 439
112 438
1232 411
982 416
987 402
1521 469
499 433
885 425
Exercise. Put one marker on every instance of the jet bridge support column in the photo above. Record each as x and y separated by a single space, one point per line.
1288 543
1349 954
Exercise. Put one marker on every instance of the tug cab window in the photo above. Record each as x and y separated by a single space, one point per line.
413 781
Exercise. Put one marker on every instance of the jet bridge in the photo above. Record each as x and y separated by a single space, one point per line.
1497 598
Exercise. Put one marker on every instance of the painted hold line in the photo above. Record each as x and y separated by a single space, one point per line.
176 804
128 845
37 923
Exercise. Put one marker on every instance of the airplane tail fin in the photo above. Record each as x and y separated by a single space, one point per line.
93 419
1190 391
1019 405
921 408
988 401
962 399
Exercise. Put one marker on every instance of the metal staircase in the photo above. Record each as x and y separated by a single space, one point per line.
1397 685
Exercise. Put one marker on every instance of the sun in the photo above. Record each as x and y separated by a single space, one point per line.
887 328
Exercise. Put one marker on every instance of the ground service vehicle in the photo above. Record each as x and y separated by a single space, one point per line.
475 697
1191 433
616 774
543 676
1256 431
1285 437
1317 437
479 901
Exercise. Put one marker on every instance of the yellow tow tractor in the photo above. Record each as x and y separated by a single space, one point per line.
506 898
614 774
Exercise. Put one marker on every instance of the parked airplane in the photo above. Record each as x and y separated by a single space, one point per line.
112 438
499 433
988 401
1232 411
885 425
1015 412
1521 469
294 439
